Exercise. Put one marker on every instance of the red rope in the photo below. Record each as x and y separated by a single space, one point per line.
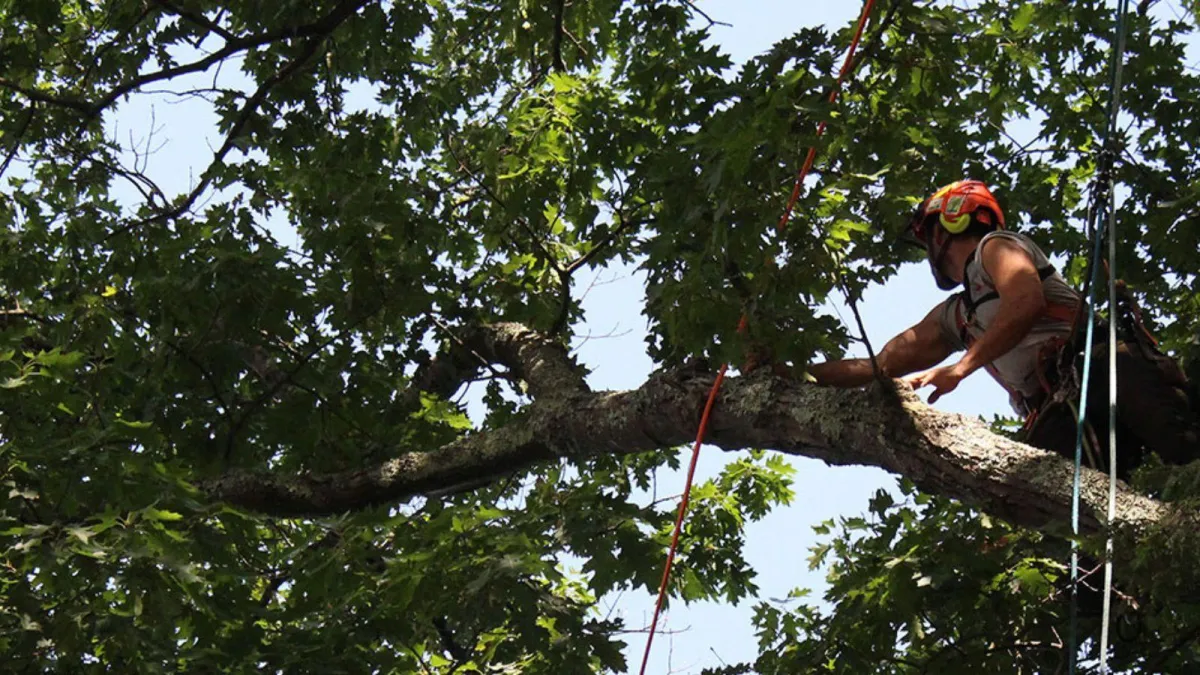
716 387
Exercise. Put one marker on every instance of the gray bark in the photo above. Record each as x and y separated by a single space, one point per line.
942 453
883 426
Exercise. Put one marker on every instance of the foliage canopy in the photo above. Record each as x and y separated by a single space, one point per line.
389 174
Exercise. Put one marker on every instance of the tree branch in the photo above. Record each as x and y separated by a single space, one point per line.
543 363
624 224
43 97
197 19
328 25
942 453
319 28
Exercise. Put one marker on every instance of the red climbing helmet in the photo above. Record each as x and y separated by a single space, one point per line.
954 208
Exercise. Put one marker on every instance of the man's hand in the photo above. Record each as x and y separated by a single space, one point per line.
944 380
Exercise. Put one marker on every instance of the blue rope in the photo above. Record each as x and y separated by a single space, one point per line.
1104 182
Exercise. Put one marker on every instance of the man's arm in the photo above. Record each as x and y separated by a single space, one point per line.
1022 299
917 348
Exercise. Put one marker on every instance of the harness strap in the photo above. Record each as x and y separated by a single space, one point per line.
1044 273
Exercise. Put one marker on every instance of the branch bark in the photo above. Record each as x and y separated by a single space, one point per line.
943 453
542 363
886 426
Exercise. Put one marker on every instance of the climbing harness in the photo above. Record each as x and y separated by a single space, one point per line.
847 65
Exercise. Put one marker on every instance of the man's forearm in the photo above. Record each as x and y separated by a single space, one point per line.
847 373
1013 322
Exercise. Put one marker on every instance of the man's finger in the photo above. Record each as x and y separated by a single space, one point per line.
937 393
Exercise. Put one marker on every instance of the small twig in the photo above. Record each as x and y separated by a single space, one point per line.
198 19
574 40
16 144
635 631
862 331
711 21
235 131
611 334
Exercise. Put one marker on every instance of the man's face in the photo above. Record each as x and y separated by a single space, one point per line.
935 239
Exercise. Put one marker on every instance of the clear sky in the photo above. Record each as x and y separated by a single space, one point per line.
710 634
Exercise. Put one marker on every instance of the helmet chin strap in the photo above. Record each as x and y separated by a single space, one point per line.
941 257
938 258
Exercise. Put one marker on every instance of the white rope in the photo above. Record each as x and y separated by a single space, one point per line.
1115 107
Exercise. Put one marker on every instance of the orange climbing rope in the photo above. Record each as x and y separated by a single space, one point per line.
847 65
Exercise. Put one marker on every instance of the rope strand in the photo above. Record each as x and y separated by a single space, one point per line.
1104 182
1114 111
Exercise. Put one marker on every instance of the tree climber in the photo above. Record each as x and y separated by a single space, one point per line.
1015 318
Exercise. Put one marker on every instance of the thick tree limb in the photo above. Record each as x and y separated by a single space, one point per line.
942 453
542 363
886 426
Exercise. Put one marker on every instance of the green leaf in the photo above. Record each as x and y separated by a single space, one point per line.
1023 17
152 513
14 382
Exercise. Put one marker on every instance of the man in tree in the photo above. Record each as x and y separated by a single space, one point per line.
1015 317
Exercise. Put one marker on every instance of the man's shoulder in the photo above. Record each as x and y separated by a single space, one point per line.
1012 238
1003 242
947 306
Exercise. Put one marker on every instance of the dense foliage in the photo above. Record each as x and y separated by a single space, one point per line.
387 174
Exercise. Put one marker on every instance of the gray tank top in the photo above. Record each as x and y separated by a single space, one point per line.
966 315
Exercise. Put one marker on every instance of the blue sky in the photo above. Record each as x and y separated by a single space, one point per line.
710 634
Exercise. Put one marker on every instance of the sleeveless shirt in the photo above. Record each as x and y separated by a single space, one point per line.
966 315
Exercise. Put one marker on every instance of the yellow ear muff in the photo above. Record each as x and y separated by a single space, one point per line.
955 225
